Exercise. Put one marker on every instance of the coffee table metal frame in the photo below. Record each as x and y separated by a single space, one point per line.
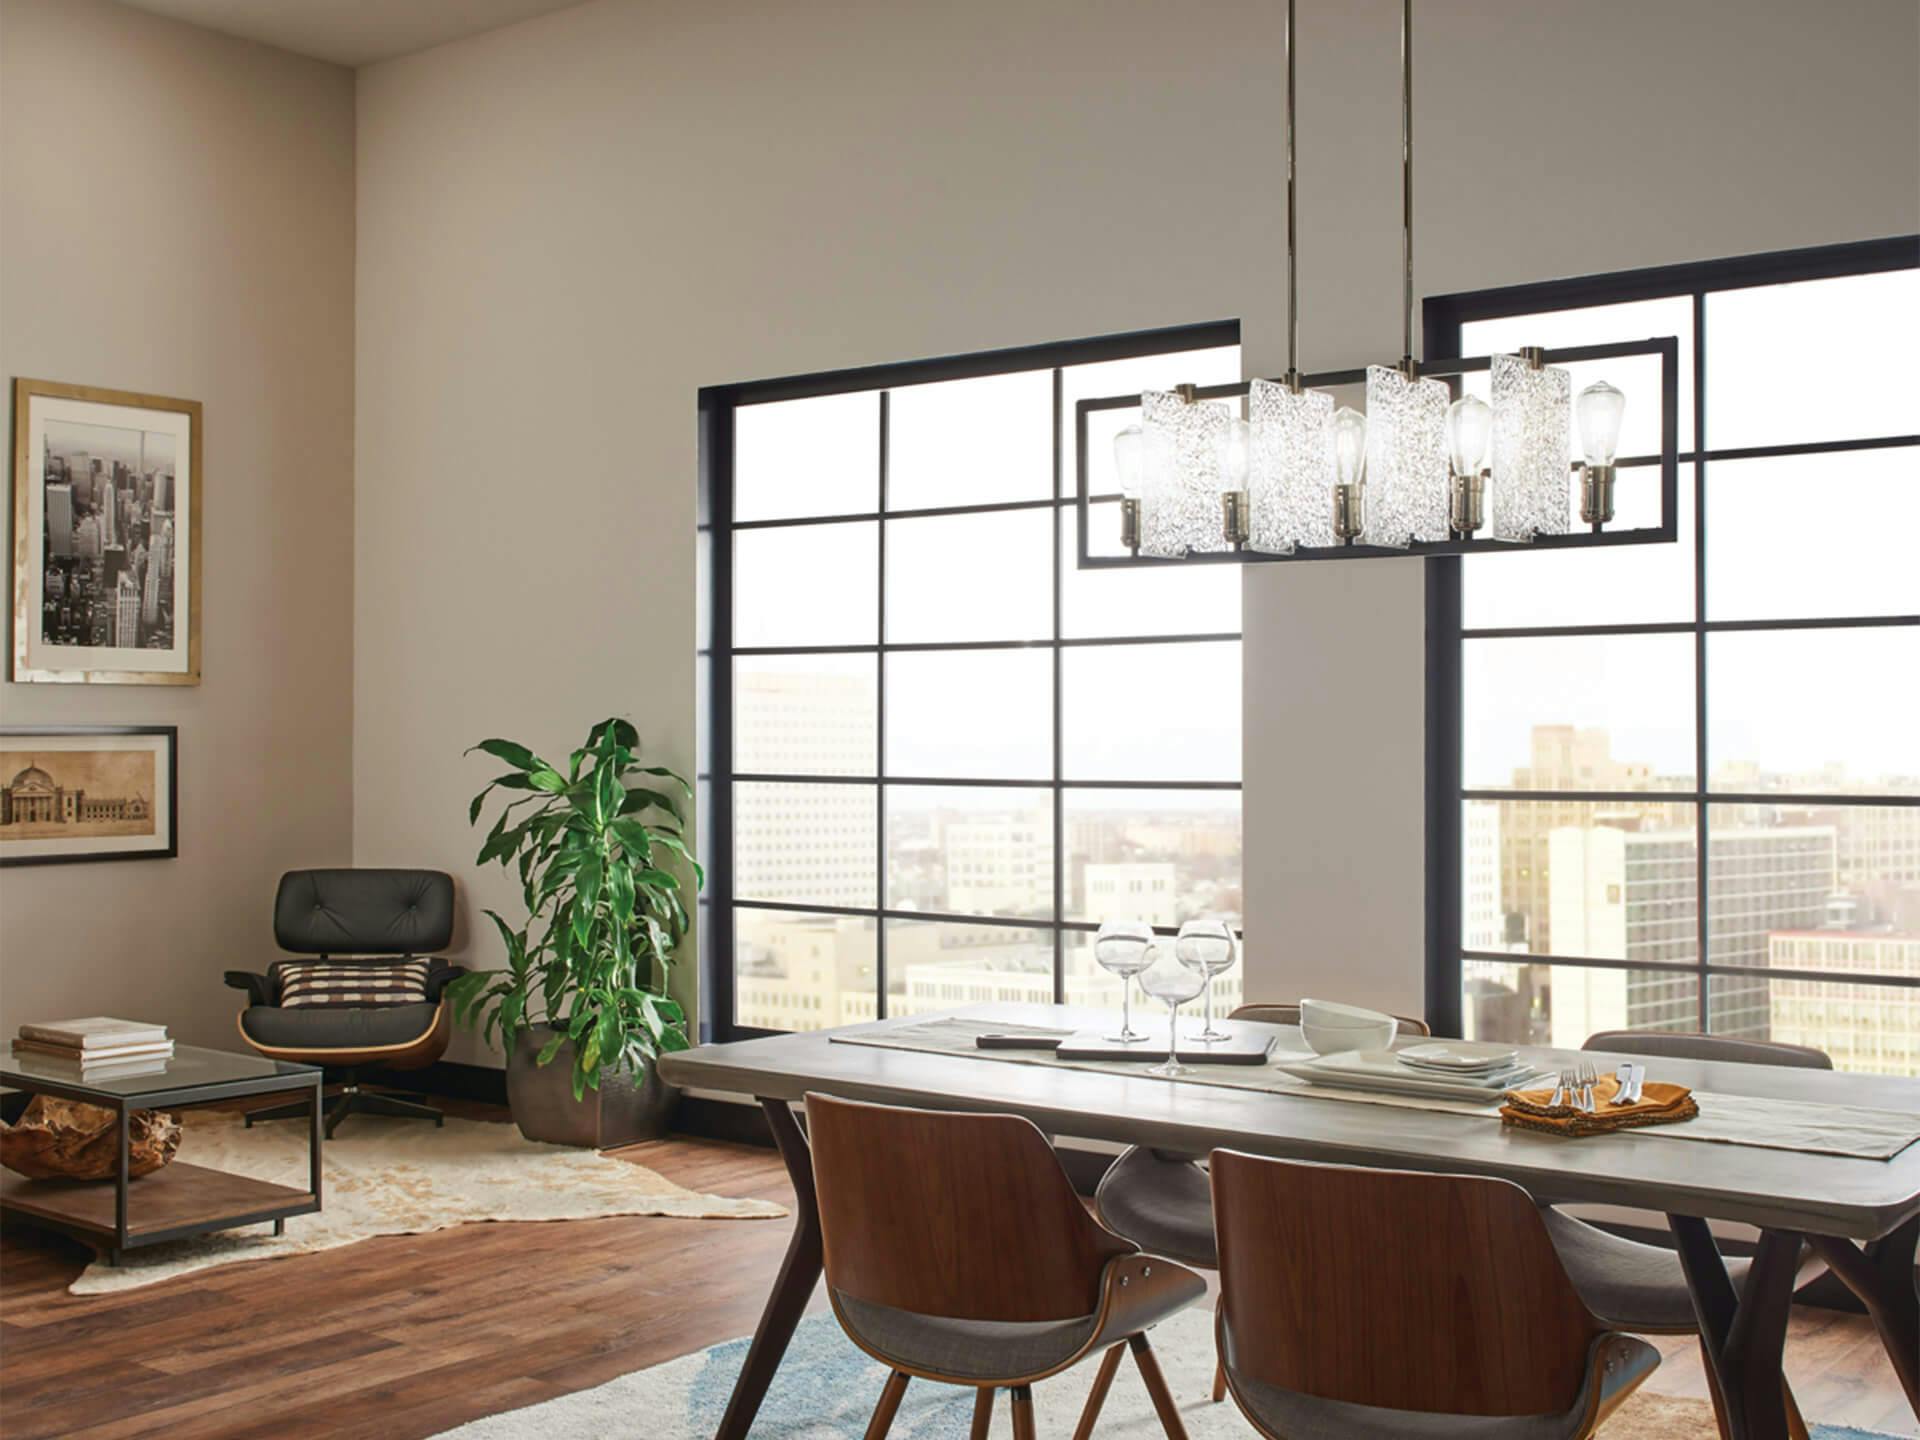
302 1077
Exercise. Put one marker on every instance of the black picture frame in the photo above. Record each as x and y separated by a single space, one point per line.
171 850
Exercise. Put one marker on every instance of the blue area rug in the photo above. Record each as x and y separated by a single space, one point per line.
826 1389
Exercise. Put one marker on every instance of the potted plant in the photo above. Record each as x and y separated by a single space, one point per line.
582 1007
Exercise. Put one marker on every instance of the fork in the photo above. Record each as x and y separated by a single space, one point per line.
1589 1077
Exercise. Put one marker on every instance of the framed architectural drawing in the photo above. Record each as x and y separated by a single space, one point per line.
106 536
88 792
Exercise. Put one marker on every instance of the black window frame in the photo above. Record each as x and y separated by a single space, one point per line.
715 649
1444 317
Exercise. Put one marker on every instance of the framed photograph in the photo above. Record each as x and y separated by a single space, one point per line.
106 536
88 792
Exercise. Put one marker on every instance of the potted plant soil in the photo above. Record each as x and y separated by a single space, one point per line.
582 1008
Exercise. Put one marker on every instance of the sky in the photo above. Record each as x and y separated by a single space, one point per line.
111 442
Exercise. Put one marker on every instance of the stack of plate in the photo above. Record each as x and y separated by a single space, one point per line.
1460 1058
1438 1070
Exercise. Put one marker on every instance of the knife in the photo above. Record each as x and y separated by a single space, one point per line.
1630 1077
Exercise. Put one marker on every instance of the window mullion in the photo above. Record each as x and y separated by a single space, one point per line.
880 728
1703 830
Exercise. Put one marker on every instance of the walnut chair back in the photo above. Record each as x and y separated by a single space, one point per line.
1686 1045
1290 1015
1440 1294
967 1217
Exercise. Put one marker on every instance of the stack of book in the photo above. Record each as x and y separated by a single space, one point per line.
99 1048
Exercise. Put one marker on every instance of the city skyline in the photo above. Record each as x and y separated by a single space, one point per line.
108 537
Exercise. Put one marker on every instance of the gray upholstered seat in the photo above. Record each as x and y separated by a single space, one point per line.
1628 1285
337 1027
1162 1202
1290 1414
969 1349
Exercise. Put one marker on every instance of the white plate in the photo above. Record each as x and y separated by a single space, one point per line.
1458 1055
1380 1071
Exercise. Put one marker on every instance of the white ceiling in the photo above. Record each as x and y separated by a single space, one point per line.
351 32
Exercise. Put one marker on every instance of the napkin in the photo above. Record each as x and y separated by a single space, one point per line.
1659 1104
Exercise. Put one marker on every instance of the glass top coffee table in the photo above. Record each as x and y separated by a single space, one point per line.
178 1199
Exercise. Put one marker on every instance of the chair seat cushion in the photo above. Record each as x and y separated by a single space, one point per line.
1287 1412
1628 1285
1163 1203
330 1027
356 983
997 1350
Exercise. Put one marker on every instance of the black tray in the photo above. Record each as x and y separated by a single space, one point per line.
1246 1047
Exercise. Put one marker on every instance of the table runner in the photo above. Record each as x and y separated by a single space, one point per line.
1852 1131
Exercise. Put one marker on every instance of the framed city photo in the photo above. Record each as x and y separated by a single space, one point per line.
106 536
88 792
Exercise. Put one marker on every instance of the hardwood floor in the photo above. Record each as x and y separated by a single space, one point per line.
407 1335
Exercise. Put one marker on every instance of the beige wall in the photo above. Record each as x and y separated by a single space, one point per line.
569 226
176 216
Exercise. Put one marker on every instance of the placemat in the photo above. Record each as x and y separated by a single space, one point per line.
1852 1131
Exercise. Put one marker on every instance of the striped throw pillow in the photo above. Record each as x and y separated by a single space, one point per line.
358 983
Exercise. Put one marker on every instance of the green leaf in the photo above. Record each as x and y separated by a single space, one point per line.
622 731
549 1050
551 781
608 793
519 756
620 893
640 798
635 839
667 774
673 842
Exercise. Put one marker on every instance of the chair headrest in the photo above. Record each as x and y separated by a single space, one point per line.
364 912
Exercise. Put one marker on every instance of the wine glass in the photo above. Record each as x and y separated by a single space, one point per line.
1172 981
1207 947
1120 948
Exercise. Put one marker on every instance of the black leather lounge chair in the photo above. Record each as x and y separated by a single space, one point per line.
370 993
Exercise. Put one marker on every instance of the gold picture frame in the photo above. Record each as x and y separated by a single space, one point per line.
96 599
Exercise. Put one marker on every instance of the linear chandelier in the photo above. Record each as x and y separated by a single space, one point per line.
1300 477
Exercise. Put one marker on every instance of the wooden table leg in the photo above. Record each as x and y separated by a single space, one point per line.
793 1287
1743 1336
1882 1276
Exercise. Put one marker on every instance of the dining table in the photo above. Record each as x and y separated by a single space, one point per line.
1762 1157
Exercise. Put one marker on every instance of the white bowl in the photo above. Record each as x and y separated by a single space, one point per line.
1332 1039
1331 1015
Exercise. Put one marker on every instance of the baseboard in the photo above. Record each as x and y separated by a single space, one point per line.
451 1079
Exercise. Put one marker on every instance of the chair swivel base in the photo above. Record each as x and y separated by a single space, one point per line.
348 1100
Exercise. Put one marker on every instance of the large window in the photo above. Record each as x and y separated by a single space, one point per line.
1679 785
938 753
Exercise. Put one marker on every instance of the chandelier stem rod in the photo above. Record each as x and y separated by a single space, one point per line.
1406 182
1293 233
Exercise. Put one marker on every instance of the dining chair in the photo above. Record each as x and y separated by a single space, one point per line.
1365 1304
1159 1198
1639 1287
956 1250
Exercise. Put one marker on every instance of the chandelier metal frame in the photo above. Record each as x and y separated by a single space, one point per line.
1353 522
1667 347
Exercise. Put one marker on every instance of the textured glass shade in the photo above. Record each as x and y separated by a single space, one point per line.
1180 483
1407 469
1290 480
1531 449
